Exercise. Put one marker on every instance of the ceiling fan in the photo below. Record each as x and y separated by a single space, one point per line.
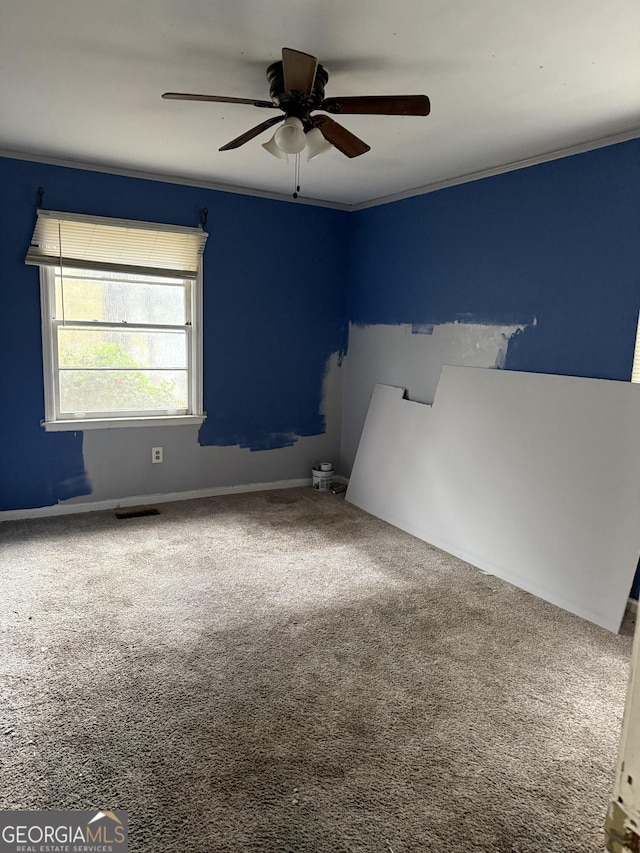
297 88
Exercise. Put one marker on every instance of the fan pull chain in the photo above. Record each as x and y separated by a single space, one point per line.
296 176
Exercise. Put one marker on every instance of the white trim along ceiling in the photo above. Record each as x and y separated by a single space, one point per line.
510 84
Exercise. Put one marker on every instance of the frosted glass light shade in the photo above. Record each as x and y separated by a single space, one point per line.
316 144
272 147
290 136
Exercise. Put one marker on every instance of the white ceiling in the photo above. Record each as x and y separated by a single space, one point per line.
509 80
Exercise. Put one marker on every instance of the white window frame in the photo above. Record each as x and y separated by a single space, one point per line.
55 420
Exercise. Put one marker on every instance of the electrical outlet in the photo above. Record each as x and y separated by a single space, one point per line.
156 455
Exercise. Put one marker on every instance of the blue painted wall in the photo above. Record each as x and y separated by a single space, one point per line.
557 241
272 317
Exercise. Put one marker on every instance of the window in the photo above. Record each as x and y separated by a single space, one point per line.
121 317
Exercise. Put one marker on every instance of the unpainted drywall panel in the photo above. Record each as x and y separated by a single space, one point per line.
411 357
534 478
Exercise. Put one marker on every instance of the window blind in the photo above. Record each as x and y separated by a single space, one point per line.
79 241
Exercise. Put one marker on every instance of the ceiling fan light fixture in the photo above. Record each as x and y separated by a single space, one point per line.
272 147
297 89
316 144
290 136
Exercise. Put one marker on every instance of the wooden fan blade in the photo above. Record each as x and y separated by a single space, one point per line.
298 70
250 134
388 105
219 99
340 137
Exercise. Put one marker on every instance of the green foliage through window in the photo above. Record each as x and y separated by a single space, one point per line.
108 382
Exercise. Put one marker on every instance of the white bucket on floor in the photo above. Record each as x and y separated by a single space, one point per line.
321 476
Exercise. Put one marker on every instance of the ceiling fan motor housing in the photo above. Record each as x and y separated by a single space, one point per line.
296 104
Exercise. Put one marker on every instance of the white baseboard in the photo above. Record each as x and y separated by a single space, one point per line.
632 605
144 500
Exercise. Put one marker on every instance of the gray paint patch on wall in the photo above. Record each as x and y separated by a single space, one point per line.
411 357
119 464
423 328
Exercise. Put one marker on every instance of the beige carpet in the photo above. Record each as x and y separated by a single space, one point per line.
281 672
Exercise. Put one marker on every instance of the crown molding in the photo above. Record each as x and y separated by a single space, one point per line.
545 157
168 179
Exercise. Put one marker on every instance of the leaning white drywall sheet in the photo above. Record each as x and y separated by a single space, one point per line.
531 477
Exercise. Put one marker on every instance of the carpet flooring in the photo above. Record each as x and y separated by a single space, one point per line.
280 671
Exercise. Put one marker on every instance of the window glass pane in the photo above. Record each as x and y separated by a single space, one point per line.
119 390
129 348
113 298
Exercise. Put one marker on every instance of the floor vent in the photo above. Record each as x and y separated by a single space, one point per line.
136 513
